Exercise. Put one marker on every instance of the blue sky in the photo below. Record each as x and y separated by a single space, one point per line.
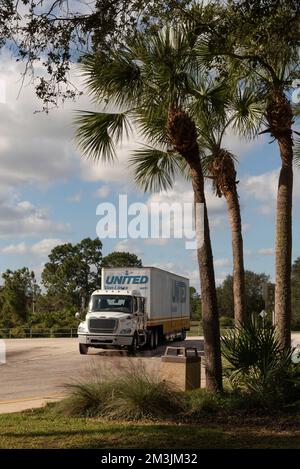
49 194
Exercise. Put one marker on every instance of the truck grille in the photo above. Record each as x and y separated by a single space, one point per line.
102 325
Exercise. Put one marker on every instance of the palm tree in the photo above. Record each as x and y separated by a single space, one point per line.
232 108
155 79
242 113
265 52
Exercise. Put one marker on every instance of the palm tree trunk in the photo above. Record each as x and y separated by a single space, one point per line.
283 243
183 136
223 172
280 119
234 214
210 316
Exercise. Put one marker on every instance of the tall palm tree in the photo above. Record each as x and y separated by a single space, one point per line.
155 79
235 109
259 41
242 113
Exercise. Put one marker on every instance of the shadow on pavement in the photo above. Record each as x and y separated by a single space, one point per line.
158 352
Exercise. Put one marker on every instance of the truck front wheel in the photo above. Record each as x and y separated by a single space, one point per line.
83 349
133 347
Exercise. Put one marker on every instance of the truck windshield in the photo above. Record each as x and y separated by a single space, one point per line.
117 303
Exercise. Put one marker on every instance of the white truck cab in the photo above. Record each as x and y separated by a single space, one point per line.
114 318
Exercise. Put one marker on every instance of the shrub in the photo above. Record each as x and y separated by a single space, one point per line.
201 402
133 395
258 365
226 321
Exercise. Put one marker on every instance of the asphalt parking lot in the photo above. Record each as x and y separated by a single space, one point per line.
38 370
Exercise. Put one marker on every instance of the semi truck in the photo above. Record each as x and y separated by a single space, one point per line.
135 307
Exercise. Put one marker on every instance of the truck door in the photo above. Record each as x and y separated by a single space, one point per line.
138 312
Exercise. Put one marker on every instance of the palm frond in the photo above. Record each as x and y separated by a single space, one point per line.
116 78
296 152
155 169
152 123
211 96
97 133
247 112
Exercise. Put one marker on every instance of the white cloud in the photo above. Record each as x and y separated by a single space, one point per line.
222 262
266 251
75 198
41 248
45 246
262 187
265 209
246 227
239 146
221 277
102 192
19 248
129 245
21 218
156 241
180 194
116 171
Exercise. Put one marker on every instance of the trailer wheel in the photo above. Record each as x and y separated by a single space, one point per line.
153 339
83 349
156 338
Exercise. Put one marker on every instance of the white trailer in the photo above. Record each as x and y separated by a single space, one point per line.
136 306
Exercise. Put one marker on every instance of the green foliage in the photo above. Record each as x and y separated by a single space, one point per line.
87 399
201 402
73 271
226 321
17 294
71 275
50 36
195 305
155 169
133 395
259 366
253 294
121 259
96 133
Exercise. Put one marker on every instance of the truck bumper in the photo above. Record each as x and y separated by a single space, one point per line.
94 340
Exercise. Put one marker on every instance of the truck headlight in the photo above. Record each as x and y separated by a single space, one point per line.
125 331
82 327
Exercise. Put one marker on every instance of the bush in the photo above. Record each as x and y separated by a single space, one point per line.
226 321
87 399
133 395
258 365
201 402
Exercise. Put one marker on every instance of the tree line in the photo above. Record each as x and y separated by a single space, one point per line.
72 273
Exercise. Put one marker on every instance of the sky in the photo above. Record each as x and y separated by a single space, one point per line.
49 193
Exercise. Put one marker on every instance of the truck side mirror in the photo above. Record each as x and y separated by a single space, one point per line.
77 315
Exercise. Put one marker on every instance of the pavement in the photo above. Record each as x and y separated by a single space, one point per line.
38 371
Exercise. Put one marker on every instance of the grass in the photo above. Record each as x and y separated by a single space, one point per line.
43 428
130 394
